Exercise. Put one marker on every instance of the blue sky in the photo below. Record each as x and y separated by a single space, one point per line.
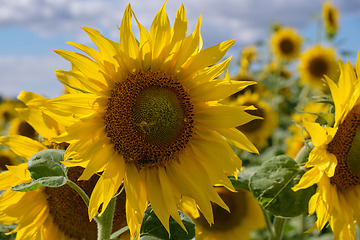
31 29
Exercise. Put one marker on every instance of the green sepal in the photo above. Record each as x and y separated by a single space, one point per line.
152 229
271 186
53 181
46 163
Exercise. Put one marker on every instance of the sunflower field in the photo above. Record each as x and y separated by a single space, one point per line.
156 137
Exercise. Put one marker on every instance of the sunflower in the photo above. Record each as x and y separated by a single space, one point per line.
19 126
153 119
7 110
7 158
286 43
245 215
333 163
330 17
260 129
50 211
316 62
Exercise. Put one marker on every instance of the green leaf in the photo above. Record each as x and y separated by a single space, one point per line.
46 163
271 186
54 181
152 229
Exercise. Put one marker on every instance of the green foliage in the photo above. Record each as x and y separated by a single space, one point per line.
53 181
46 170
46 163
152 229
271 185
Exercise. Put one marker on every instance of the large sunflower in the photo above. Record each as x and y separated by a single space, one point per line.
330 17
334 162
286 43
316 62
153 120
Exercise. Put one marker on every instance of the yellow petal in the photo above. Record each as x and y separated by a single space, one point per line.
88 67
219 117
128 43
205 58
217 90
310 178
239 139
160 35
42 123
21 145
153 187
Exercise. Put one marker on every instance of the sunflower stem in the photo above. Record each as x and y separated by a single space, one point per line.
105 221
269 226
79 190
279 225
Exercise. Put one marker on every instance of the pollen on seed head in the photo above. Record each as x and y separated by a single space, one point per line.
145 116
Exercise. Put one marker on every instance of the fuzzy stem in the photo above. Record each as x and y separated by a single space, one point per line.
279 225
269 227
105 221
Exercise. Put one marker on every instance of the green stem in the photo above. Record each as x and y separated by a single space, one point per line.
82 194
268 223
105 221
78 189
279 225
304 152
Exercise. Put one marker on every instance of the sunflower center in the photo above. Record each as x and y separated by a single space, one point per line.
149 118
346 147
255 124
70 213
223 220
286 46
318 67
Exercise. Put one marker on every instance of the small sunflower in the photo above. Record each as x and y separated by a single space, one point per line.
259 130
316 62
50 211
7 158
330 17
153 119
286 43
245 215
334 162
19 126
7 110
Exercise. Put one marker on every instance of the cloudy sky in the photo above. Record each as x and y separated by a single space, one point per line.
31 29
